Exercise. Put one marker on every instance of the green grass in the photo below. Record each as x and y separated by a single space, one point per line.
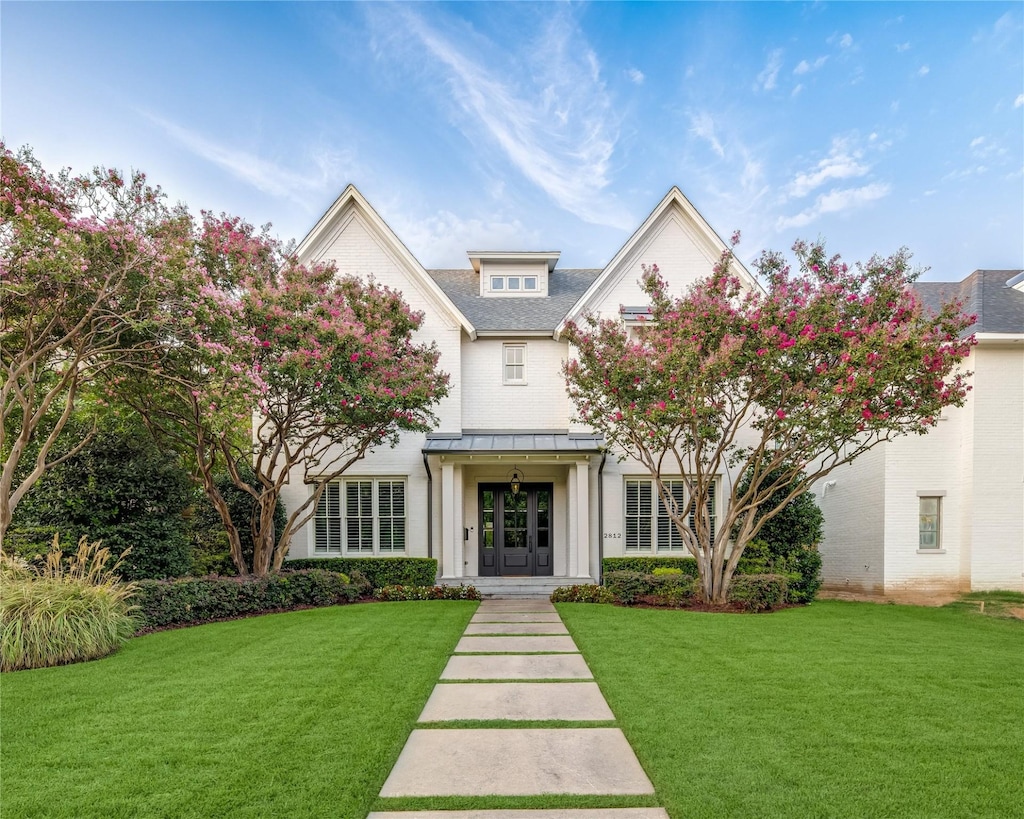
288 715
991 603
836 709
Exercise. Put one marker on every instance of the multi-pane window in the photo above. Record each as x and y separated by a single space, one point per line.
364 516
930 522
648 525
514 284
514 364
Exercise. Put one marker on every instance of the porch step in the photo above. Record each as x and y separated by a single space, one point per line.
519 588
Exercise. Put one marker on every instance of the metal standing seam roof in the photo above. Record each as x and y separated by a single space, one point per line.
520 313
985 293
513 442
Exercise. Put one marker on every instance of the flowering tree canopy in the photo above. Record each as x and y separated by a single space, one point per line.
85 276
283 366
783 385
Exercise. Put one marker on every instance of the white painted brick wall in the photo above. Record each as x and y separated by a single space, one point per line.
997 555
488 403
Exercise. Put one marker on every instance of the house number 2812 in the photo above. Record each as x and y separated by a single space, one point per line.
617 535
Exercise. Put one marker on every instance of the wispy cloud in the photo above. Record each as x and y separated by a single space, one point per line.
442 240
325 167
635 75
766 80
804 67
702 124
844 161
842 40
557 125
835 201
1017 103
901 47
923 71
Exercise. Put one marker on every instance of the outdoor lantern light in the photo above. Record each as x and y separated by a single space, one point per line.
517 481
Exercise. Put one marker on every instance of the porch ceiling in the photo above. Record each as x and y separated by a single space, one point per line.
539 442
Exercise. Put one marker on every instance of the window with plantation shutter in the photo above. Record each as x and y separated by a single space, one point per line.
649 527
361 516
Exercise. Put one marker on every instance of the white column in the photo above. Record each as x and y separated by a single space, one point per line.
582 564
459 544
448 519
572 526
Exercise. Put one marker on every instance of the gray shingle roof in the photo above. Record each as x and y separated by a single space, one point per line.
1000 309
541 313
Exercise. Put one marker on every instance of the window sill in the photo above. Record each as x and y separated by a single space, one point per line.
931 551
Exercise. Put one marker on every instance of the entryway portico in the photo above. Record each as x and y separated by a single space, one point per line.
495 537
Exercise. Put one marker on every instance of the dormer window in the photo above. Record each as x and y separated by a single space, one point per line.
510 274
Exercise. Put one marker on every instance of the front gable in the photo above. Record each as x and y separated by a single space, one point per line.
677 239
353 236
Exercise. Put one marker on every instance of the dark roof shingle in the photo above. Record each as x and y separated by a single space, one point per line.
521 314
999 308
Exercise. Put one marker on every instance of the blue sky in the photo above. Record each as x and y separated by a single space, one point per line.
549 126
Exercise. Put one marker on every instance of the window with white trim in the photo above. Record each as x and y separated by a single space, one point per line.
514 284
361 516
514 369
648 525
929 530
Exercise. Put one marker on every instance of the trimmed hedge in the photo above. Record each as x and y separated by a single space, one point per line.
667 587
379 571
647 565
202 599
758 592
393 593
582 594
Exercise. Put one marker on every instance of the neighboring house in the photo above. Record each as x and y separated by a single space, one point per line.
498 324
943 512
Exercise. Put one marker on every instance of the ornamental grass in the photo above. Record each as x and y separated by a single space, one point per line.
65 611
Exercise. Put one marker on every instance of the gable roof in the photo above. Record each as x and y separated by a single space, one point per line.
351 198
519 314
985 293
618 267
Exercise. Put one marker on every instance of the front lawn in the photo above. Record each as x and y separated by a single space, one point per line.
299 714
836 709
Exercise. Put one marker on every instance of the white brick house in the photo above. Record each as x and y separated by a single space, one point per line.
943 512
498 324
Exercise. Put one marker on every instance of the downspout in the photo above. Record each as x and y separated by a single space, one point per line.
430 508
600 519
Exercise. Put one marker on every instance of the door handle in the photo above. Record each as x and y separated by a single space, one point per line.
531 543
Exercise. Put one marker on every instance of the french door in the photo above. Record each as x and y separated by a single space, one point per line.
515 530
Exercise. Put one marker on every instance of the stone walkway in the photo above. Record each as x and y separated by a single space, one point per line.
516 685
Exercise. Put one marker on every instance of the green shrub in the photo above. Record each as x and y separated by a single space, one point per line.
398 592
120 489
379 571
628 587
807 568
582 594
202 599
667 571
758 592
678 594
363 587
647 565
67 611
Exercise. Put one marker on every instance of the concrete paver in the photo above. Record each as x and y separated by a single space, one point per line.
517 701
516 762
516 617
517 667
469 645
515 605
568 813
516 628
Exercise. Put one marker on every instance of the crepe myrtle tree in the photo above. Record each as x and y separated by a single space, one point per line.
88 272
781 385
287 367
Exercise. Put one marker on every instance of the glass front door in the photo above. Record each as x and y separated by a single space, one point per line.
515 530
